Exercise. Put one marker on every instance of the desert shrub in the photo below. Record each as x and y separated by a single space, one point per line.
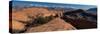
42 20
49 18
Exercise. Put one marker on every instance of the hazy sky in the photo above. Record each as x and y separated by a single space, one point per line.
43 4
84 2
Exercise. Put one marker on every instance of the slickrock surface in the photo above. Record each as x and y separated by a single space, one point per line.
56 24
21 18
17 26
23 15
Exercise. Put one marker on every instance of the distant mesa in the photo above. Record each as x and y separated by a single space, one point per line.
92 9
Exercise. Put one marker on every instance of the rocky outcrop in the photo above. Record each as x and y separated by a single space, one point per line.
26 16
56 24
17 26
81 19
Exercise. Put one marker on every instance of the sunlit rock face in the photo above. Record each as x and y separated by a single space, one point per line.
17 26
37 12
20 18
24 14
56 24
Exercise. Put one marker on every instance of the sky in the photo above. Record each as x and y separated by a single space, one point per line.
83 2
63 5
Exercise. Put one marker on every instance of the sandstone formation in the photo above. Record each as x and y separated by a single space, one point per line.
21 18
56 24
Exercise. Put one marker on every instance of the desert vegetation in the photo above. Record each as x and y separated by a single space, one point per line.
25 19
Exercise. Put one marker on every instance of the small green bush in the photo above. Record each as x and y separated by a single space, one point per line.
42 20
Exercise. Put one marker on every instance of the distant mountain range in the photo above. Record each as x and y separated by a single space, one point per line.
21 4
92 9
